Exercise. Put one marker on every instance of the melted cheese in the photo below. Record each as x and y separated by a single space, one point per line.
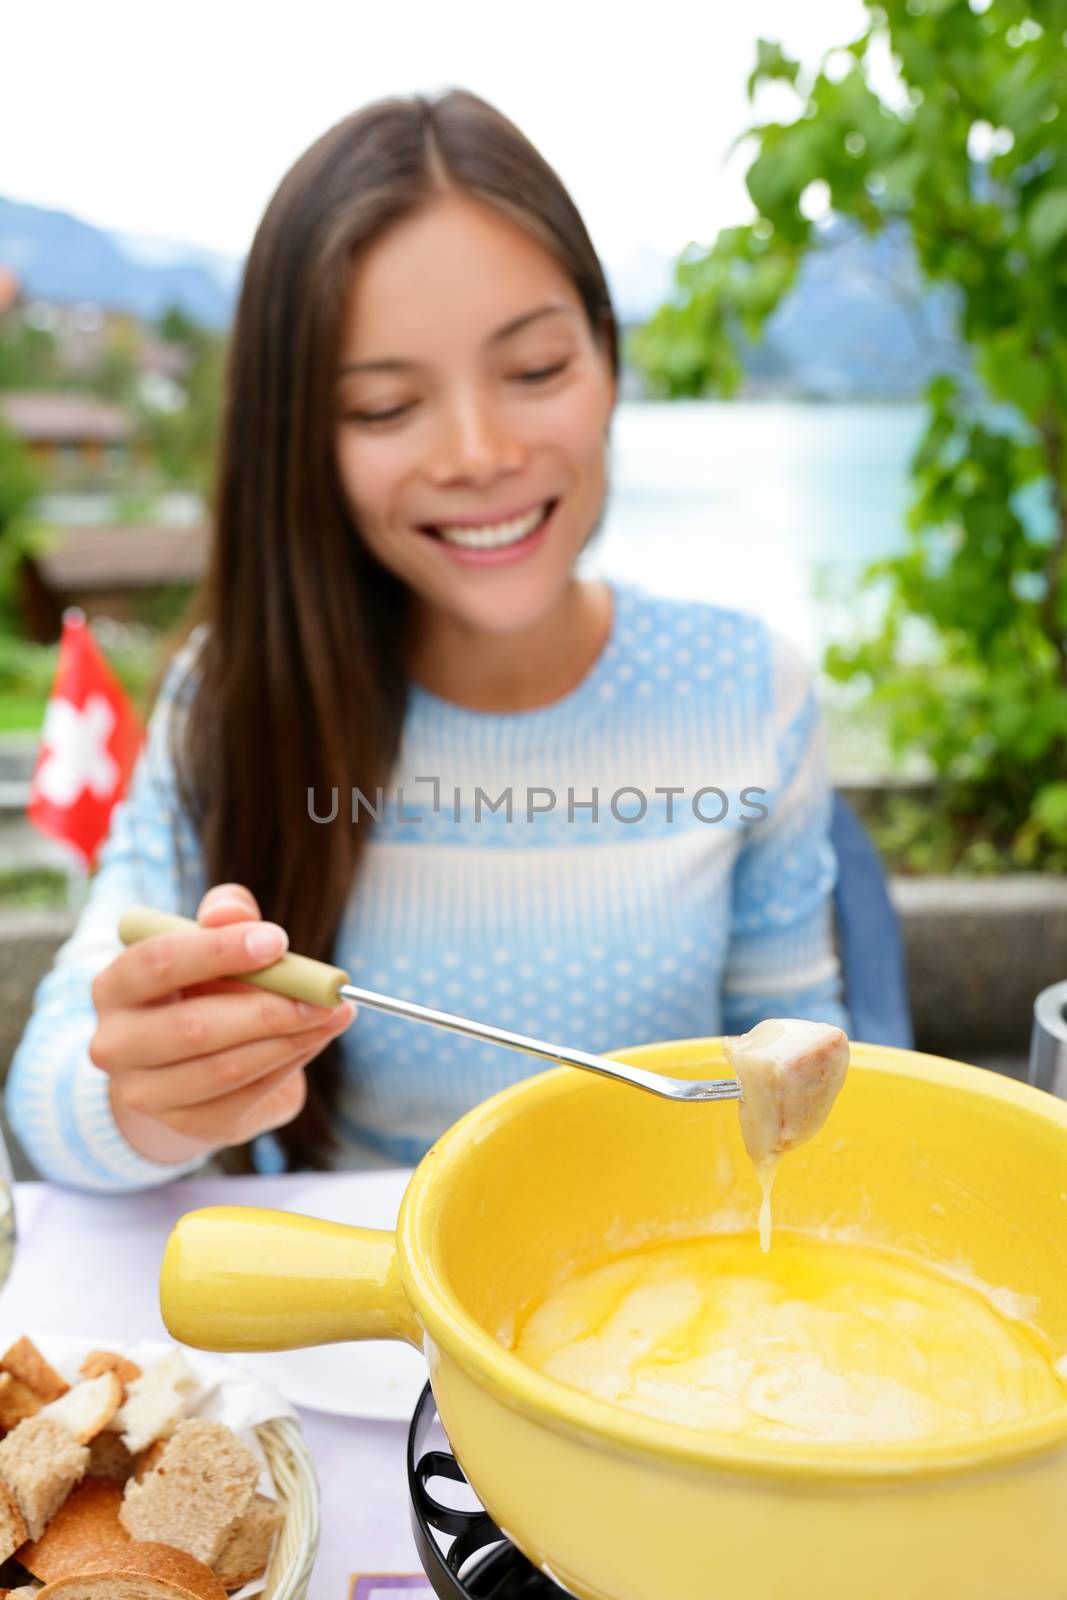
791 1072
818 1341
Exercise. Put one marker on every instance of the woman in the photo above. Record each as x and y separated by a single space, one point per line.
422 378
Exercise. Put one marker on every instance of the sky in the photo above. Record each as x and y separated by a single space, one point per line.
178 122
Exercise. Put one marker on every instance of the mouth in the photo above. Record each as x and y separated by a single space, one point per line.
500 536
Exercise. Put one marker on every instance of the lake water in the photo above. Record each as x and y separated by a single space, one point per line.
746 504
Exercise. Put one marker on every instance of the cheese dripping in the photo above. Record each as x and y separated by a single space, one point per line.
790 1072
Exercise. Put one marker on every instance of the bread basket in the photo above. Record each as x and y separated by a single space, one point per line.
288 1463
297 1487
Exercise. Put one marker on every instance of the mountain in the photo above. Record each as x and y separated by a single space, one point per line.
860 322
57 257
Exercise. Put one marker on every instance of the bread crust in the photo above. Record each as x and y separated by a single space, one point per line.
97 1362
85 1526
11 1521
145 1571
17 1402
248 1548
25 1362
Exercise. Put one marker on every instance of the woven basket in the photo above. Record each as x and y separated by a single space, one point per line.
297 1488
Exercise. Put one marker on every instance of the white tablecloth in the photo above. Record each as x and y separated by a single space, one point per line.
92 1262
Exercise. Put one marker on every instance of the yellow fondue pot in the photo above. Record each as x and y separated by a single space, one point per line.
957 1165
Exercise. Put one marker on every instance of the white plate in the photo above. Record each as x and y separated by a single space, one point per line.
379 1379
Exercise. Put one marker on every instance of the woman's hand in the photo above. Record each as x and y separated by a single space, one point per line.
197 1060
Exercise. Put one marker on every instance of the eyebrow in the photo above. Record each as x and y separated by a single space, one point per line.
396 364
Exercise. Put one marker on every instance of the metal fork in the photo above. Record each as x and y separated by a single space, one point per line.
301 978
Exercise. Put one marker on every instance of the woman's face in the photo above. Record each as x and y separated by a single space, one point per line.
471 392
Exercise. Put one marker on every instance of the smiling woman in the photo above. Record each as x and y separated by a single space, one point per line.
485 452
422 377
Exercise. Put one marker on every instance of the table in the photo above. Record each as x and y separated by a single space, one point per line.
91 1262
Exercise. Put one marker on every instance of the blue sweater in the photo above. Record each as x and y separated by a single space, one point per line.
646 858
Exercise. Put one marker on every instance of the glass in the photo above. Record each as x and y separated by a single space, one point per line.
1048 1041
7 1214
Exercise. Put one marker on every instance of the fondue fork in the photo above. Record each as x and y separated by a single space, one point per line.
301 978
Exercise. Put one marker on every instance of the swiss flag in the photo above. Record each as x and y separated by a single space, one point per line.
90 741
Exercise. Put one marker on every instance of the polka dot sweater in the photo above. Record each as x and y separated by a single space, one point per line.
646 858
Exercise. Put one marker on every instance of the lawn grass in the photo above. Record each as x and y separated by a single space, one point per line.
21 711
33 889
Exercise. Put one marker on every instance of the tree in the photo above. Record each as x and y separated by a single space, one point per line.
18 490
27 355
184 439
970 157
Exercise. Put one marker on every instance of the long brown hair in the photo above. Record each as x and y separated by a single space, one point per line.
301 682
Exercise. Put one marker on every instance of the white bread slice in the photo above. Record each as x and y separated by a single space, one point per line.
202 1482
10 1523
246 1552
40 1462
88 1407
148 1571
155 1403
85 1526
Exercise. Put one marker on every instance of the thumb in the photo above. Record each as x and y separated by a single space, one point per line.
225 903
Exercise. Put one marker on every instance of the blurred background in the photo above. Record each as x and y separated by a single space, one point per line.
836 235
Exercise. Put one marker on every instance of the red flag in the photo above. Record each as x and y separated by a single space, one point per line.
89 743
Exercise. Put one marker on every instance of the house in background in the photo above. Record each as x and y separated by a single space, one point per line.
126 573
72 438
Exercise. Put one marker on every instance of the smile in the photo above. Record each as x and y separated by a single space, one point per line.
495 536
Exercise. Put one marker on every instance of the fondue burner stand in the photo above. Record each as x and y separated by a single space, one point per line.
473 1560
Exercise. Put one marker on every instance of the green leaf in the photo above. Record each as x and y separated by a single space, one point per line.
771 62
1015 373
1050 810
1046 223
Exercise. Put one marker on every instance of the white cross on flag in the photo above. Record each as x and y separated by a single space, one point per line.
89 744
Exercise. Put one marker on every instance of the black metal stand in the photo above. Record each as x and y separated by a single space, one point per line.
480 1563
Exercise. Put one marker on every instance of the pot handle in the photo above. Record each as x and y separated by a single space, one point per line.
242 1278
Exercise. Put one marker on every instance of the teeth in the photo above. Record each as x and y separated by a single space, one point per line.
495 536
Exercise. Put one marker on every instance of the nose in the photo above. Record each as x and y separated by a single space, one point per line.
476 442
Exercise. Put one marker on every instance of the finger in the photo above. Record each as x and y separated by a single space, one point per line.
203 1027
225 903
281 1105
212 986
268 1103
155 967
155 1091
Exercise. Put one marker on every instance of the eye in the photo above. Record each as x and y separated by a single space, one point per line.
377 416
542 373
